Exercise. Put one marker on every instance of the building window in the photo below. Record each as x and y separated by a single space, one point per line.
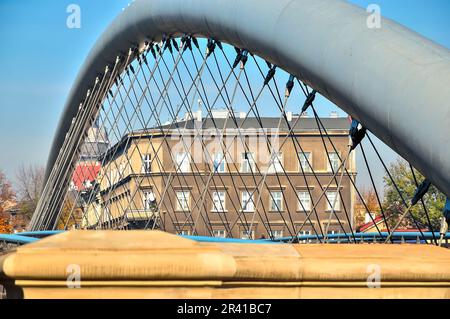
304 201
107 212
305 158
334 238
276 163
248 234
333 163
219 233
247 162
184 233
332 197
275 234
305 233
149 200
122 170
146 164
276 201
219 163
218 202
183 201
248 205
114 176
182 162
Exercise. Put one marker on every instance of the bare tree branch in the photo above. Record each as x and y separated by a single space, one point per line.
30 180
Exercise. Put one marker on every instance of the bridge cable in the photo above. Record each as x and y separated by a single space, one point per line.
423 206
420 192
394 183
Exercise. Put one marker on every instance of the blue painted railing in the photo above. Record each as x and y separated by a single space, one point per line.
413 237
206 239
397 236
41 234
17 239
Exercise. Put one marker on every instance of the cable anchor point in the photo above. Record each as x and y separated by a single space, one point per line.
357 133
168 45
270 75
186 43
309 101
241 57
289 86
175 45
195 41
421 190
210 47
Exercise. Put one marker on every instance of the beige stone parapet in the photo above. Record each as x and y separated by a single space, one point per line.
154 264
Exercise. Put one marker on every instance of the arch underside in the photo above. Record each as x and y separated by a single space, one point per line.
390 79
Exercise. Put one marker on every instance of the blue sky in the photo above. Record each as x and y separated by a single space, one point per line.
40 57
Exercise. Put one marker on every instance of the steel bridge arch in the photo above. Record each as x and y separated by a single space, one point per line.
394 81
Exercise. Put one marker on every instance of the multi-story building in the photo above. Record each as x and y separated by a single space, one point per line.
87 168
211 177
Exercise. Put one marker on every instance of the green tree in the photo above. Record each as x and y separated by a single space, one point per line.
393 205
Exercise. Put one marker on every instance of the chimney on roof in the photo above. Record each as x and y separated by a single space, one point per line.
289 116
198 115
219 113
334 115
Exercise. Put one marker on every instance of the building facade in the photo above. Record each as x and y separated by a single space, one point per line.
249 179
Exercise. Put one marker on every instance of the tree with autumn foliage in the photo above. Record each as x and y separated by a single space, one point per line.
5 227
366 202
7 197
70 215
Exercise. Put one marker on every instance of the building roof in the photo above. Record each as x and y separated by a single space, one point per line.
379 219
85 172
304 124
96 143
